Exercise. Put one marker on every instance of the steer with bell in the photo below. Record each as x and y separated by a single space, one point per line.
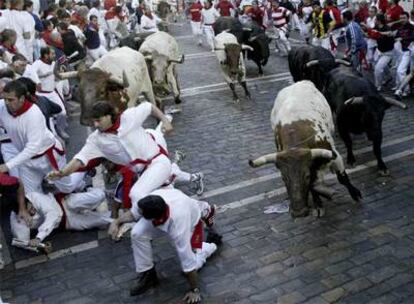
359 108
228 52
303 127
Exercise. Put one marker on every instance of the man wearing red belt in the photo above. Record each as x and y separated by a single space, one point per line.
38 150
121 139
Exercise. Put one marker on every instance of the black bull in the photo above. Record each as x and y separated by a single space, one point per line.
312 63
250 34
359 108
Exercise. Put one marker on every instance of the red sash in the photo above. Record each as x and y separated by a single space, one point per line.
197 237
59 198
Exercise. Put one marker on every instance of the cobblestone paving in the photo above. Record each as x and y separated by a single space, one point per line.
357 253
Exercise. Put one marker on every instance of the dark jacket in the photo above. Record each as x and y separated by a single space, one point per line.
47 107
71 45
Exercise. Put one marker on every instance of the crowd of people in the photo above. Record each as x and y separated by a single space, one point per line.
41 41
378 35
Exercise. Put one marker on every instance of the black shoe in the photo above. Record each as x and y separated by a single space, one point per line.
146 280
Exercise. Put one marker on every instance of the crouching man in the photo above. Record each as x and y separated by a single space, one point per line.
171 212
75 211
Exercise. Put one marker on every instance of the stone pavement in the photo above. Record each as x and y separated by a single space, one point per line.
357 253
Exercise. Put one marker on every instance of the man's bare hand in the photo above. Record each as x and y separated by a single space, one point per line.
167 127
3 168
34 242
54 175
24 215
113 230
192 297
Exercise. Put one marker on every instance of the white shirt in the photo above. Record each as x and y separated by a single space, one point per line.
20 22
41 69
184 216
130 143
28 132
148 24
209 16
48 213
29 72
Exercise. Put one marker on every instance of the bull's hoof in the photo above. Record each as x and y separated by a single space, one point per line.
236 100
177 100
318 212
384 173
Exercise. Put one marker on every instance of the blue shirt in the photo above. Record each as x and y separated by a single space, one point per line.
355 40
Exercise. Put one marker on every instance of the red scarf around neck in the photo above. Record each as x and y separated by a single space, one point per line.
11 49
114 128
24 108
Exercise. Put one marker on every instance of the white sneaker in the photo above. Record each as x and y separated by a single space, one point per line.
208 249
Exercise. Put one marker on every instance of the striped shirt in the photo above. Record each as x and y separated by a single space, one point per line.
280 16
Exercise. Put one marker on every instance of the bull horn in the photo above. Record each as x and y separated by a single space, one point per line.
395 102
246 47
344 62
353 100
312 63
148 57
68 75
262 160
181 60
321 153
251 39
124 83
218 49
247 29
137 39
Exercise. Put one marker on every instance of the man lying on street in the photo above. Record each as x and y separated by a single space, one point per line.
74 211
168 212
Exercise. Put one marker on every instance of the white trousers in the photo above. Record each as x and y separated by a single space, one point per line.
402 68
80 210
9 151
282 42
209 33
156 174
381 67
79 214
144 231
196 30
34 171
95 54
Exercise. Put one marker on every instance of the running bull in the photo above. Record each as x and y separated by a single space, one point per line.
119 76
162 53
250 34
312 63
228 52
305 146
359 108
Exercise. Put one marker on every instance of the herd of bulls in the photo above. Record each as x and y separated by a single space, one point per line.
333 91
303 118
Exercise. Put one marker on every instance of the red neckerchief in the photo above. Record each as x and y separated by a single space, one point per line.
11 49
24 108
114 128
163 218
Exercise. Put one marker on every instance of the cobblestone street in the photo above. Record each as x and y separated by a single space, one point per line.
357 253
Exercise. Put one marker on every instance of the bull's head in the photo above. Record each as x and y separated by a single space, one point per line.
158 68
232 52
260 43
94 85
298 170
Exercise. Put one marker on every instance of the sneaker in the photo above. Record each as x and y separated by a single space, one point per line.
146 280
208 249
209 218
198 180
179 156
